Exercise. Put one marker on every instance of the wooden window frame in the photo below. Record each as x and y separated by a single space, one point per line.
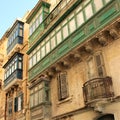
96 67
62 93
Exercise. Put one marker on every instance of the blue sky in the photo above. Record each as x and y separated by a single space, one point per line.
12 9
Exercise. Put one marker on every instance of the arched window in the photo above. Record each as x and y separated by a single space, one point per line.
107 117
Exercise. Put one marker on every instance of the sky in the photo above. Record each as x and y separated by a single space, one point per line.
10 10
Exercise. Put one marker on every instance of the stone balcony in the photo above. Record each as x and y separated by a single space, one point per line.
98 90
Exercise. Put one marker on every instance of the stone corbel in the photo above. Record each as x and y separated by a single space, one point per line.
114 33
58 68
77 56
51 72
102 39
89 47
66 63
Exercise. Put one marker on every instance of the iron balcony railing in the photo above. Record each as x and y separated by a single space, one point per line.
97 89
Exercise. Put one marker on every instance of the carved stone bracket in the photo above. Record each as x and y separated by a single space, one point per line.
114 33
89 47
102 39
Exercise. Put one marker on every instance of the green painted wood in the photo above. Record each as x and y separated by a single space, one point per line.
36 33
107 14
76 38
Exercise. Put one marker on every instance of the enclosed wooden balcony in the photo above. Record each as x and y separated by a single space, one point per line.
98 89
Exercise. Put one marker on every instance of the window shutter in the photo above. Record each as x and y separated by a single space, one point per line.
16 104
100 65
63 91
91 69
21 101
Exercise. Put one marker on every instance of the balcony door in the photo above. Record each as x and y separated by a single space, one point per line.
107 117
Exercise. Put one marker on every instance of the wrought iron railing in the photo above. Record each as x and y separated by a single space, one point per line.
97 89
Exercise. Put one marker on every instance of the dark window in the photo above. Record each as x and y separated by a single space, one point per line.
62 86
18 103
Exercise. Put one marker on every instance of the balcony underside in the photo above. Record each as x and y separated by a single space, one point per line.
13 83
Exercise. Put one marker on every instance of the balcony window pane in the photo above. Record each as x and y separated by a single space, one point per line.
65 31
59 37
38 55
34 59
53 42
21 32
88 11
33 26
31 101
72 25
98 4
37 22
80 19
36 98
40 18
40 96
31 30
30 63
47 47
43 51
15 65
20 65
107 1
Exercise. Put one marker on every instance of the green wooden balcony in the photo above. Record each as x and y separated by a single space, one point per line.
104 17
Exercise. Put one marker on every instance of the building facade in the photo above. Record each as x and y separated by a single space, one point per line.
15 72
3 44
71 71
74 59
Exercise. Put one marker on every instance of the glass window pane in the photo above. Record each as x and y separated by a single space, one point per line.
20 65
30 63
98 4
47 47
40 18
107 1
53 42
43 51
37 22
38 55
65 31
59 37
34 59
88 11
80 19
72 25
20 32
15 66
